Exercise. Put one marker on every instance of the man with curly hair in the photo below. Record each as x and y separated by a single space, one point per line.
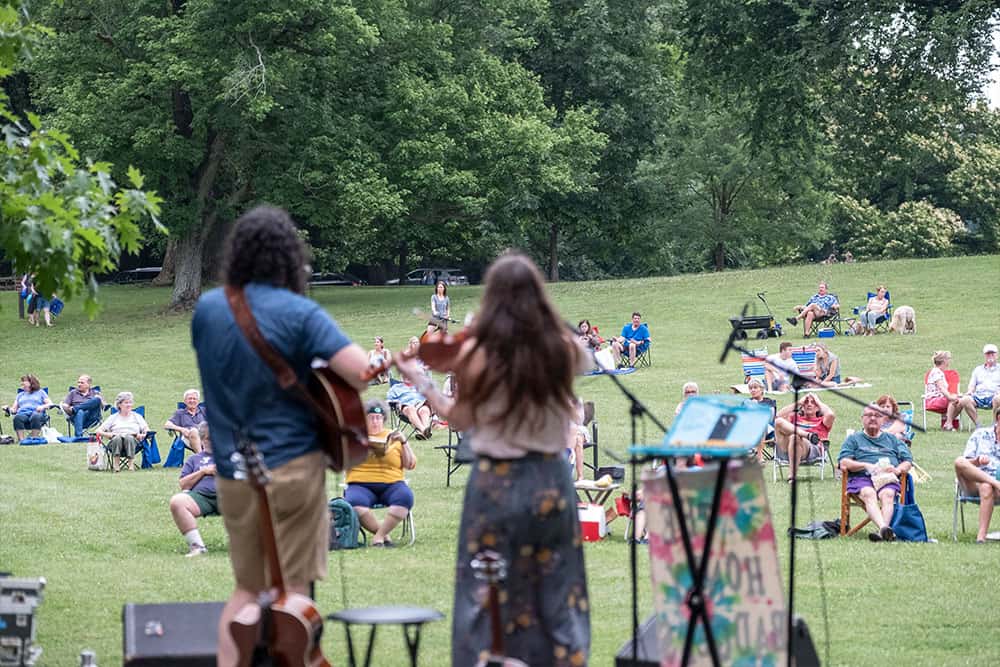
267 260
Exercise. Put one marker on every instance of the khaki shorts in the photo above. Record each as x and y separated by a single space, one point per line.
297 495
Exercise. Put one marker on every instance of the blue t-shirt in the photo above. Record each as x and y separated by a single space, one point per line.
241 391
864 449
640 335
205 485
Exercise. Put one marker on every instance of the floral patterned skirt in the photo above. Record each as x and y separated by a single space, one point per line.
525 510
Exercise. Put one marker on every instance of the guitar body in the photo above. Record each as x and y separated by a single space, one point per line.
343 434
295 622
245 631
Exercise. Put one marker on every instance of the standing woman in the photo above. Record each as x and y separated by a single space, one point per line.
515 402
440 309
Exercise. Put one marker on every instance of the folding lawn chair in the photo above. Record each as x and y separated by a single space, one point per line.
147 447
882 322
175 457
831 320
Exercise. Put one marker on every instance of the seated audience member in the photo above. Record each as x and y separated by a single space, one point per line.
776 367
380 479
197 496
874 311
858 458
29 407
756 389
815 421
589 335
378 356
412 404
984 386
828 368
123 431
186 420
894 424
977 470
440 309
937 398
577 438
689 389
634 338
83 405
821 304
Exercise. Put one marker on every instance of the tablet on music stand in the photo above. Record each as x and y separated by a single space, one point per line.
712 426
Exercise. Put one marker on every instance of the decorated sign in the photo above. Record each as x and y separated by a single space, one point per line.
746 605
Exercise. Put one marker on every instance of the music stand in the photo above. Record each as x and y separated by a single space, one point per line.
722 428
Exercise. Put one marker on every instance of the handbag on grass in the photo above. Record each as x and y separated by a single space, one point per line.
907 519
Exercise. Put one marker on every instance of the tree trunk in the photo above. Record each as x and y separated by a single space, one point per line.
166 275
188 254
719 256
554 252
187 275
404 251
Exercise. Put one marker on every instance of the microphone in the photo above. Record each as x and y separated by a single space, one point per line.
732 337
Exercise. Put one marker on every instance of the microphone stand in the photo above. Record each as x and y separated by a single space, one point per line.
637 409
798 381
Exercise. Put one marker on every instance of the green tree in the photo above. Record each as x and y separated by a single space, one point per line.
727 202
61 217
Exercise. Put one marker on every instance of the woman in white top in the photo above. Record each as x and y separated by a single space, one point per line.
875 310
123 431
377 356
515 403
937 397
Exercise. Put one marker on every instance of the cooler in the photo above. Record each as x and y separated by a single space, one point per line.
593 524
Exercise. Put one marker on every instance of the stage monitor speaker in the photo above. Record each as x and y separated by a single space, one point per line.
648 655
173 634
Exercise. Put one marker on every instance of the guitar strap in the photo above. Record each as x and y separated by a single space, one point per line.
285 374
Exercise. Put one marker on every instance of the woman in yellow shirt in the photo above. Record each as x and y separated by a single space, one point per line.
379 480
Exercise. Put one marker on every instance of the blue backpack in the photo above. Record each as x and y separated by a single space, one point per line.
345 529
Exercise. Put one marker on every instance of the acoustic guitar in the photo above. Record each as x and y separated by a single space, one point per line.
490 567
291 621
340 415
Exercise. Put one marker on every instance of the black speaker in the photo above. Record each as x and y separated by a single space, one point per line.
170 635
648 654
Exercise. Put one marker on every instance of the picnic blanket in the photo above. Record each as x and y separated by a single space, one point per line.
616 371
742 388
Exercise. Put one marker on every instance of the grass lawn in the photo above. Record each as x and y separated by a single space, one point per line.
102 540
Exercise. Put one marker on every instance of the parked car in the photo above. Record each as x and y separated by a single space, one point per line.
141 275
432 277
335 279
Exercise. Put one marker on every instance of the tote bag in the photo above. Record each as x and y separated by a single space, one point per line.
907 519
96 457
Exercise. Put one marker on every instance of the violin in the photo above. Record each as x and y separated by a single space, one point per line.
438 351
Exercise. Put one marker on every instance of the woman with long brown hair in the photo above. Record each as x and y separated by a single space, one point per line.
515 403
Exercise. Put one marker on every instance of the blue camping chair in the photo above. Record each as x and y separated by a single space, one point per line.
882 323
149 449
45 415
175 457
86 427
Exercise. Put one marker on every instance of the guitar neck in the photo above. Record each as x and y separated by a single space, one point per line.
270 543
496 624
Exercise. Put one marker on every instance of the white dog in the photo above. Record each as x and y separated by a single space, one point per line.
904 320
